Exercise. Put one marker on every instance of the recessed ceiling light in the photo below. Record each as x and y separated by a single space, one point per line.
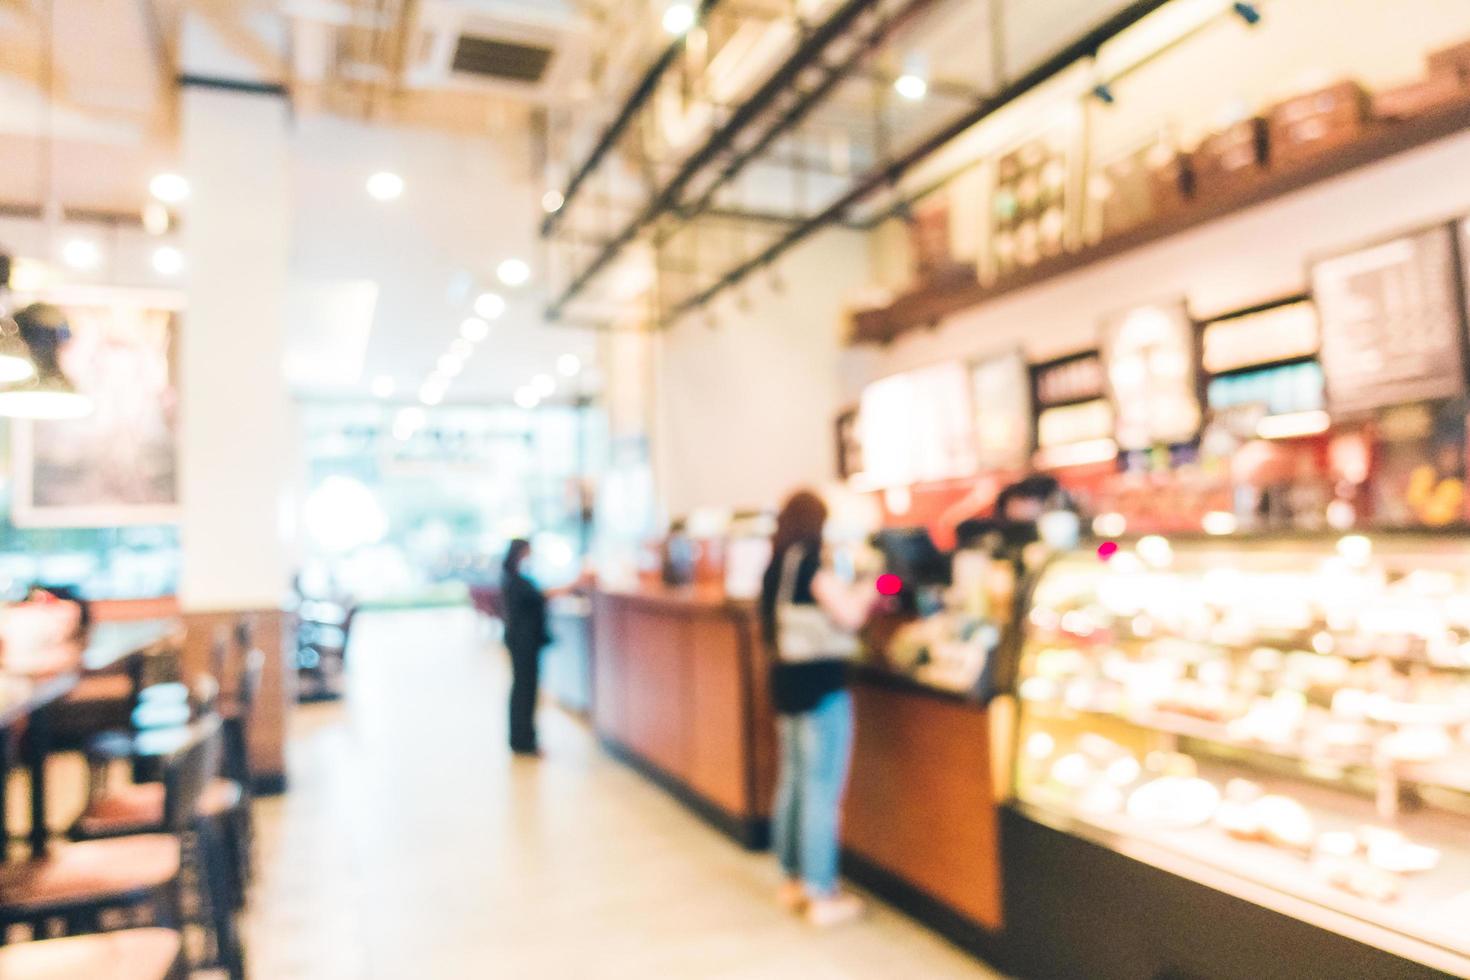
385 186
552 201
911 87
490 306
383 386
167 260
513 272
543 385
473 329
568 365
678 18
449 365
169 188
527 398
431 394
81 253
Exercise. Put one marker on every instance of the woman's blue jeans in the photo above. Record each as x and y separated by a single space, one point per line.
816 747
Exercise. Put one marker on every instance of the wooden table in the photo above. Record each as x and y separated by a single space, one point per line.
27 697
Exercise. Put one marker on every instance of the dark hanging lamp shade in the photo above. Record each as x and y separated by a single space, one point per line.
48 394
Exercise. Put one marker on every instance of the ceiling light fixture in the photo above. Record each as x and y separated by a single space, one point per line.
679 17
911 87
544 385
449 366
489 306
15 356
167 260
431 394
527 398
82 253
383 386
50 395
552 201
568 365
473 329
169 188
513 272
385 186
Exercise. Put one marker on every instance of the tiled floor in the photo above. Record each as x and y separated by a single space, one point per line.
411 846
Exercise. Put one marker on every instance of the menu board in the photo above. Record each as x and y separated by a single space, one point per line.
1002 396
917 427
1148 360
1391 324
1070 379
1277 333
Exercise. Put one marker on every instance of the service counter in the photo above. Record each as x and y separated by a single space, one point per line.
920 821
680 692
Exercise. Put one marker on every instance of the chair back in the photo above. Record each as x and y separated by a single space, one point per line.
188 770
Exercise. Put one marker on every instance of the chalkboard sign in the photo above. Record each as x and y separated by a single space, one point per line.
1392 330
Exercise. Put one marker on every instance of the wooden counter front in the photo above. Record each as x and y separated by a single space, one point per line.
920 821
680 691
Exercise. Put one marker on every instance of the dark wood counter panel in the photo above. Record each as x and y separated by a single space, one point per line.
680 691
920 825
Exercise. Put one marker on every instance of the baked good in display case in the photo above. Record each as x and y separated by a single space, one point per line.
1291 713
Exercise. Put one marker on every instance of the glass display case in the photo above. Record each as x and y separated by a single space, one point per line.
1286 720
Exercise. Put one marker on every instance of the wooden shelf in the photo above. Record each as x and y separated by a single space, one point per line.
926 307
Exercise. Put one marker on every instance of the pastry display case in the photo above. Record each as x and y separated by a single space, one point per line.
1286 720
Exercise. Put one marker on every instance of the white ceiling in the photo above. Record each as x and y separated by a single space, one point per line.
377 288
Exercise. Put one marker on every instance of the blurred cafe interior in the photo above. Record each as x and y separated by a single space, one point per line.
378 376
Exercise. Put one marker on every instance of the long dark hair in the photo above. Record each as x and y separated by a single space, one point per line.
800 522
515 554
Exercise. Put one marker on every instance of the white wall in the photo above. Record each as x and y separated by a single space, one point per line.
1257 255
745 408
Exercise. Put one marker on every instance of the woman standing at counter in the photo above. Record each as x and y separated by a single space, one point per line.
810 619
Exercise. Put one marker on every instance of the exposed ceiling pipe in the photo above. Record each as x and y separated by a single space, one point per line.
614 131
777 85
809 101
889 174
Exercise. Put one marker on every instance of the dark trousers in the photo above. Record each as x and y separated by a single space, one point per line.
525 673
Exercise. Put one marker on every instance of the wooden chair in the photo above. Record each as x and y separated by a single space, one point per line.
128 954
323 632
76 884
225 804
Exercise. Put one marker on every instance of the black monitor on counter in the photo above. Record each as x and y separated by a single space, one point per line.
910 553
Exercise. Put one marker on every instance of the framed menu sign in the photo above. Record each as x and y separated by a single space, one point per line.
1392 330
1001 387
1149 365
1075 378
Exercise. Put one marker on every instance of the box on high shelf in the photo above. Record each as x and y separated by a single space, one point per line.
1231 159
1314 122
1447 83
1148 184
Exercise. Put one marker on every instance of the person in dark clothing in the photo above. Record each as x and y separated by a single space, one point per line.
526 634
810 618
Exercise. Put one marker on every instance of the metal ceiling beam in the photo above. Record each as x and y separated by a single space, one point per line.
778 84
614 131
890 173
807 103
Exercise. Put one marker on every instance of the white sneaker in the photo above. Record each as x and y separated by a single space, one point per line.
834 910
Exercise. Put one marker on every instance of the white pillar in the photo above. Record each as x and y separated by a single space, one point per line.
237 445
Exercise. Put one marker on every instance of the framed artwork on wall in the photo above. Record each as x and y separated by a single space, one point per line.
117 466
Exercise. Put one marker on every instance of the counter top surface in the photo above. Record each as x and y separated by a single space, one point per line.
686 597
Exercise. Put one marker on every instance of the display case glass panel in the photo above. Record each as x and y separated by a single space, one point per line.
1285 719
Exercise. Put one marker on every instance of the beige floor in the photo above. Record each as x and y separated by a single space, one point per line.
411 846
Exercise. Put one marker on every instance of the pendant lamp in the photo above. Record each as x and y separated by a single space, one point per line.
48 395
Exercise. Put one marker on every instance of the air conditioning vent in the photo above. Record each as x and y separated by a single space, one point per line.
503 60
